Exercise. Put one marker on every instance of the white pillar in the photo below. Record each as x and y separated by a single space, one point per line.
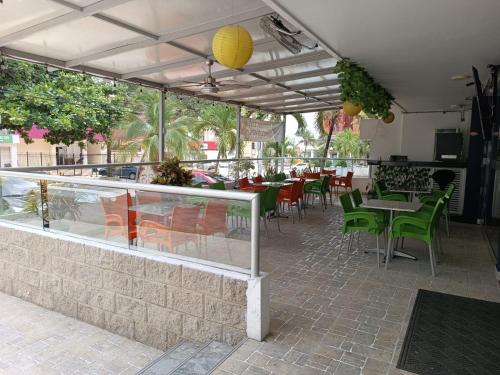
161 128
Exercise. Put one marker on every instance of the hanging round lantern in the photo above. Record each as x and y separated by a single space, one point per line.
350 108
389 118
232 46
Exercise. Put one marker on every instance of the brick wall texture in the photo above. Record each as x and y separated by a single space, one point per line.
152 302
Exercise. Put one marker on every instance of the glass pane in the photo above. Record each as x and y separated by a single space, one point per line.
216 230
20 201
91 211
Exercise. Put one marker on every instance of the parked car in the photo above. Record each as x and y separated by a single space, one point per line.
201 176
127 171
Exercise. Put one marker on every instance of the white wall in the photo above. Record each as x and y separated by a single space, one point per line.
385 139
417 139
410 134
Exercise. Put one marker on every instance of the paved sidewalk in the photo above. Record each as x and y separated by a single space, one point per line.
35 341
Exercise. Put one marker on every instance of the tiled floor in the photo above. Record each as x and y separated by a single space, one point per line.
346 316
329 316
36 341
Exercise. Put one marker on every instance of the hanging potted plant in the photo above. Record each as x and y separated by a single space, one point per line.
359 91
170 172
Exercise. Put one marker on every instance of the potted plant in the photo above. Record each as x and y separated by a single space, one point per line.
359 90
170 172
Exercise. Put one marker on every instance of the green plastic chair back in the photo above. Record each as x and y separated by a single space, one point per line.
198 185
378 188
325 184
271 198
218 186
357 198
346 203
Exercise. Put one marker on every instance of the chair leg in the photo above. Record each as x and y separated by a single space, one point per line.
359 246
438 248
340 248
447 221
378 251
351 235
265 225
431 258
388 253
278 219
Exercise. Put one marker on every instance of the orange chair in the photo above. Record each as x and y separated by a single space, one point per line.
311 175
243 183
118 220
291 196
326 171
147 197
214 220
182 229
345 182
258 179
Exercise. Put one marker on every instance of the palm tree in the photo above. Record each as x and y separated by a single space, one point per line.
348 145
141 128
221 120
319 122
308 139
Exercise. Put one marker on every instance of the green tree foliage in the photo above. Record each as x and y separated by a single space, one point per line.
347 144
221 120
72 106
141 128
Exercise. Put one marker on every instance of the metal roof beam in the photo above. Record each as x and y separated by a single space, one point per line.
301 87
192 60
260 67
167 37
305 109
285 78
294 97
264 99
330 99
75 14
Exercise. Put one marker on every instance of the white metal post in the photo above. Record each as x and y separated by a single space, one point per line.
283 146
255 237
161 128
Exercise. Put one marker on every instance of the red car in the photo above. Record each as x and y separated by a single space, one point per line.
202 176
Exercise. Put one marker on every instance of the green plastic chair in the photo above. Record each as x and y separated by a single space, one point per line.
219 185
356 221
431 200
268 204
240 211
424 229
383 193
358 200
319 188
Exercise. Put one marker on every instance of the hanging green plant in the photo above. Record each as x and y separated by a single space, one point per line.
360 89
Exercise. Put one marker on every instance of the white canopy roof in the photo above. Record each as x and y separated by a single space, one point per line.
163 44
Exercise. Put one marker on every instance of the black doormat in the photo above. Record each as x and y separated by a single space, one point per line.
449 334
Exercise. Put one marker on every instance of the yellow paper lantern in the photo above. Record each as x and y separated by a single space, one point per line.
232 46
389 118
351 109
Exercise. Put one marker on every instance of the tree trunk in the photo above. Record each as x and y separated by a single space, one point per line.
108 156
217 162
327 146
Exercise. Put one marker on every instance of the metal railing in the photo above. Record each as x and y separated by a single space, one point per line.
75 207
228 168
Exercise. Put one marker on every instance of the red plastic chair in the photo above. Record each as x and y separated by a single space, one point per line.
293 173
311 175
291 196
214 220
118 220
147 197
345 182
258 179
243 183
182 229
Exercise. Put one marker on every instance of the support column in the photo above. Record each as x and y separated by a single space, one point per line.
283 146
238 135
161 127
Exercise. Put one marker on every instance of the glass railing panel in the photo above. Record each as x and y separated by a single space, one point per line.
21 201
209 229
96 212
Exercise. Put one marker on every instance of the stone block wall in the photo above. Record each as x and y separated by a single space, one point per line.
157 302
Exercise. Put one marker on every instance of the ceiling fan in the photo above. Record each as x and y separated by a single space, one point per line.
210 85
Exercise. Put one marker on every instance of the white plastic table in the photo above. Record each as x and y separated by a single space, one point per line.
392 207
